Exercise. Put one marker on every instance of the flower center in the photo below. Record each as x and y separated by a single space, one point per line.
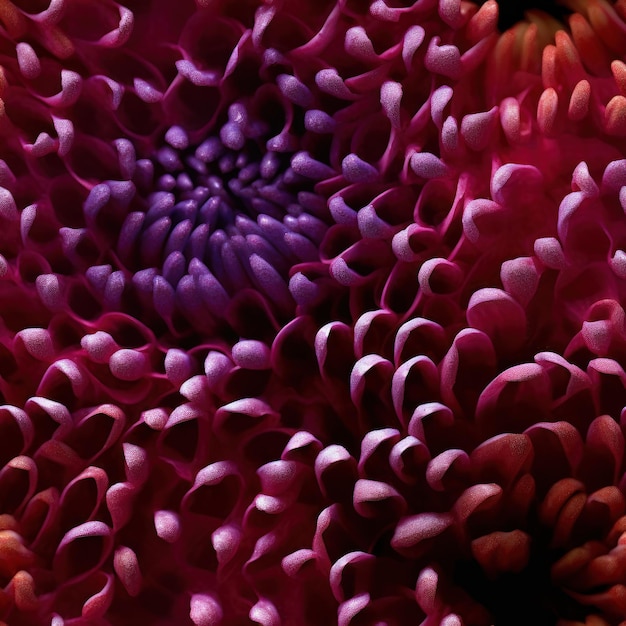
232 173
229 211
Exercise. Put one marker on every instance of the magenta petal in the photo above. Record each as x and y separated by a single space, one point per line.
412 531
520 278
408 458
205 610
277 477
265 613
127 569
167 525
426 589
350 570
350 609
97 532
428 166
335 471
371 498
501 318
443 469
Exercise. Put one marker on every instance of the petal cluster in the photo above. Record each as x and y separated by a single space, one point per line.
311 313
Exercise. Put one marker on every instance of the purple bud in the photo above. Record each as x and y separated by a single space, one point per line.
174 267
232 136
251 354
302 163
294 90
163 297
427 165
302 289
130 231
319 122
213 294
160 204
178 237
357 171
177 138
270 282
169 159
209 150
114 289
126 157
97 198
98 275
270 165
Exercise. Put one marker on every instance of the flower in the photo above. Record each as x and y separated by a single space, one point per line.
311 313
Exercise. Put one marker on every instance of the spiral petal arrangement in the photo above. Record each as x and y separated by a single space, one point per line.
312 313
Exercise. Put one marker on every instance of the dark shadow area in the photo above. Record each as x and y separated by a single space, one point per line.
512 11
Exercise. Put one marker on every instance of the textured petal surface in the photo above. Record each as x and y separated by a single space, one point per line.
312 313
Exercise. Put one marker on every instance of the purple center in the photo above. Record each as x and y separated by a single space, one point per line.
225 200
203 220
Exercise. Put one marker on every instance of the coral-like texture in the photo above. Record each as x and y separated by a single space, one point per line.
312 313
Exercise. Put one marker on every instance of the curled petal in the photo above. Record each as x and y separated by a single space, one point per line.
528 381
215 491
447 469
303 447
418 334
94 532
335 471
372 499
277 477
499 316
477 128
483 220
349 573
412 383
564 445
501 552
439 276
243 414
482 497
512 183
375 449
408 458
367 369
412 532
520 278
427 165
503 458
561 508
293 563
432 415
444 59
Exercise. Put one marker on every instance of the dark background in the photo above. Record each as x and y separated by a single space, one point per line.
512 11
